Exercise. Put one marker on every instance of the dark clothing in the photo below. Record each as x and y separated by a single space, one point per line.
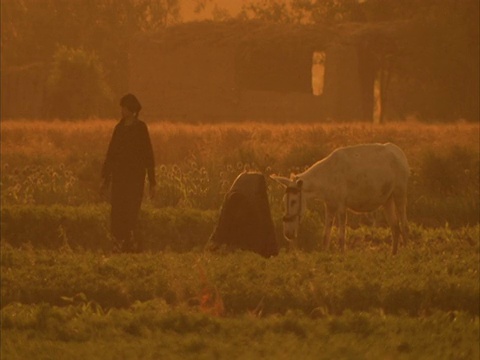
129 157
245 220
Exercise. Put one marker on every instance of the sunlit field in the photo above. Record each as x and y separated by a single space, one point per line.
65 296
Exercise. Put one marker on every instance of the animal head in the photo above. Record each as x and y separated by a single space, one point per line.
294 204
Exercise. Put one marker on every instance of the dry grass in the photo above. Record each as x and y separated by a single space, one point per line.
25 142
197 163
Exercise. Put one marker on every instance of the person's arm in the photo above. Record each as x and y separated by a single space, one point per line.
107 168
149 161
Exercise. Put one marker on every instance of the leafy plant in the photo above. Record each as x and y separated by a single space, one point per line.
76 85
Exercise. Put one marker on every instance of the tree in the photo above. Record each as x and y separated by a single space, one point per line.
438 75
268 10
76 86
431 68
33 30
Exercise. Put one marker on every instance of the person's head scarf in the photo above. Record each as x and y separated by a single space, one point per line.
131 103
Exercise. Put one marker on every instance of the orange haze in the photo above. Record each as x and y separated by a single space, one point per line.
233 7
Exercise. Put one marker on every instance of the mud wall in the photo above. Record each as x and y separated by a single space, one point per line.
186 82
348 87
221 72
221 81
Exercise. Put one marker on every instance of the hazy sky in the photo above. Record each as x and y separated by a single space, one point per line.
188 6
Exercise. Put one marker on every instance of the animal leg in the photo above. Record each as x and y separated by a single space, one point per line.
401 207
342 223
392 219
329 218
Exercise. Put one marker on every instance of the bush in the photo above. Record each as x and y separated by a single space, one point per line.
55 226
454 171
76 85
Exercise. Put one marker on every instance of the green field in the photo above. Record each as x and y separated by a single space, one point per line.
65 296
421 304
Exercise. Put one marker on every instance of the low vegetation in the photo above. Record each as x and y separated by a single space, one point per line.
437 271
47 163
422 303
65 296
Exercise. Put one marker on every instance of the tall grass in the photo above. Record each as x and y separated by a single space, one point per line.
59 162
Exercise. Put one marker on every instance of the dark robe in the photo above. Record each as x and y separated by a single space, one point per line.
129 158
245 220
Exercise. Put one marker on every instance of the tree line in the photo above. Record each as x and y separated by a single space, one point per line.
437 54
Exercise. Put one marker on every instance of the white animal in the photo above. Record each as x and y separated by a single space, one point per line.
359 178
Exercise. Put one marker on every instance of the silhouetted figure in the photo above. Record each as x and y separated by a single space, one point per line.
129 158
245 221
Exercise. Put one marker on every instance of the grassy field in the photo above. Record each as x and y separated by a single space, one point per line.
45 163
366 304
64 296
51 175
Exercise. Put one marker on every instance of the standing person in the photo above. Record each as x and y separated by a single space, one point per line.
129 158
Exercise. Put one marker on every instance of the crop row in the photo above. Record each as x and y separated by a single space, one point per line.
176 229
439 270
152 330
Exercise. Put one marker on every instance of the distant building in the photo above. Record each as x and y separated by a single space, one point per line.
235 71
210 71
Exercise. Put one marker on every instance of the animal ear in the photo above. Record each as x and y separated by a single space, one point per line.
299 183
281 180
